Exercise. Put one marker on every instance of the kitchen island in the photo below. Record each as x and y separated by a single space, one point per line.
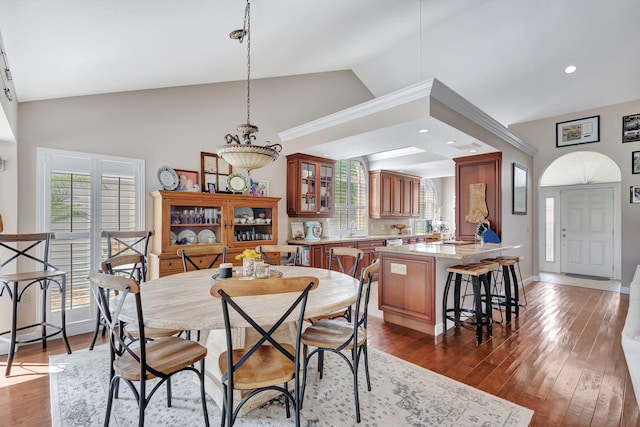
412 279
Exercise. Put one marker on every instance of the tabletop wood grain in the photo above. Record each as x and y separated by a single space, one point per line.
183 301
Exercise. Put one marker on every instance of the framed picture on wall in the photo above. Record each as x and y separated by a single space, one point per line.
187 180
214 170
635 194
581 131
635 162
519 190
631 128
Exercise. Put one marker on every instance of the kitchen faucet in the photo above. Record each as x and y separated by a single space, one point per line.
352 227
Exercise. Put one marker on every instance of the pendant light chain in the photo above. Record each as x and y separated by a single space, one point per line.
247 27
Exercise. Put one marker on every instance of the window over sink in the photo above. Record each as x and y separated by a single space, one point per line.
350 194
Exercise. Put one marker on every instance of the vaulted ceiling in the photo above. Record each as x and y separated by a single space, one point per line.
506 57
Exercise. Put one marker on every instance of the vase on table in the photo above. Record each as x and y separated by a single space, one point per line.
247 267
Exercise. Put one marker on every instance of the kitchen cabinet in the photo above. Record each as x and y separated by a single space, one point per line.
310 186
481 169
393 195
186 218
369 253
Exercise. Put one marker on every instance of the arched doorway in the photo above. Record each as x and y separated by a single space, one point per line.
579 217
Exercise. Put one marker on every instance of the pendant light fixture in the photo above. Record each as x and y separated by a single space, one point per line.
242 153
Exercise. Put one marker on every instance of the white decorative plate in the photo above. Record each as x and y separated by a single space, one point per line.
243 213
168 178
237 183
203 236
189 235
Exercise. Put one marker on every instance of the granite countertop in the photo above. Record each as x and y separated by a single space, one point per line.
325 240
449 250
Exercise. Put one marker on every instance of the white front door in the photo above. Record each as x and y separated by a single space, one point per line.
587 227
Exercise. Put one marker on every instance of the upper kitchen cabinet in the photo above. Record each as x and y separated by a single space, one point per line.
393 195
310 186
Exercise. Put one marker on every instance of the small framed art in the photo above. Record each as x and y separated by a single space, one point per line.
187 180
635 194
297 230
259 188
635 162
581 131
631 128
214 170
519 190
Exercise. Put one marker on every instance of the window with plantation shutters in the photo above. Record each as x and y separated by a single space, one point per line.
79 195
350 197
428 199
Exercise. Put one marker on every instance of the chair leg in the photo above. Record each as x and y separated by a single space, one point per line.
142 401
320 362
112 385
366 364
169 392
286 400
96 331
14 322
305 364
203 395
354 356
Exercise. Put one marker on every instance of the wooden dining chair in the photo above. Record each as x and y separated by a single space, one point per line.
123 243
344 260
286 254
194 257
268 364
335 336
142 360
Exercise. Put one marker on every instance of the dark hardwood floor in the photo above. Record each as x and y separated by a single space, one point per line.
562 358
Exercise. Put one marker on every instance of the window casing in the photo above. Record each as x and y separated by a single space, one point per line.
78 196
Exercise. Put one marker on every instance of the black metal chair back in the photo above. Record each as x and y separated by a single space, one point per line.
339 256
291 251
228 290
188 261
34 242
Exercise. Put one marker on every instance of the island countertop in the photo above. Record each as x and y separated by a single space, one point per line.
449 250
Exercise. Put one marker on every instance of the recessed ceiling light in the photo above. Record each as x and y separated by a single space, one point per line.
451 142
326 155
570 69
423 130
473 151
406 151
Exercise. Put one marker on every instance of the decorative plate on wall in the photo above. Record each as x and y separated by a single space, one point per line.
237 183
168 177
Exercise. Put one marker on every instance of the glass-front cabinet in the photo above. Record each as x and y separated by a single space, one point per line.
310 186
184 219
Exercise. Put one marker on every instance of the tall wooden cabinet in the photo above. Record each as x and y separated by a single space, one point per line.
480 169
310 186
185 218
393 195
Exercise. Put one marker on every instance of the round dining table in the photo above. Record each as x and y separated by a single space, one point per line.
183 301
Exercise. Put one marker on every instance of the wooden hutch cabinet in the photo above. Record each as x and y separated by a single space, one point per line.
186 218
310 186
393 195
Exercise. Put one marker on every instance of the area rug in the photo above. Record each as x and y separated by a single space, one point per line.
402 394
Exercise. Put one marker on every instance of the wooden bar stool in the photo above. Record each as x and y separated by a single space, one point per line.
507 299
479 279
517 259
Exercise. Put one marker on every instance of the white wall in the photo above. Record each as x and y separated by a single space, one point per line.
172 126
541 134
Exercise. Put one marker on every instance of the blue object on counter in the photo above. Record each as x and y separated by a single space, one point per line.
490 236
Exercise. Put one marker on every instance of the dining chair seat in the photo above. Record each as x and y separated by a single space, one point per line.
166 355
331 334
264 368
